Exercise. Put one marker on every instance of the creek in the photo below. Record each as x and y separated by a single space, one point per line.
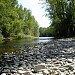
15 45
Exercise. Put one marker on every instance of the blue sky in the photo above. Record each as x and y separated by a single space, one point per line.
36 10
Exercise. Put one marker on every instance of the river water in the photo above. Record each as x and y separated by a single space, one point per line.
15 45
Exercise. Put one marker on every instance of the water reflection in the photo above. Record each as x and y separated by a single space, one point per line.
15 45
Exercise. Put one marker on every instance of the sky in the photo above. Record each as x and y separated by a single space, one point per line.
37 11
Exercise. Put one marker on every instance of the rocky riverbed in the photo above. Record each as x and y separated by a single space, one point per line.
56 57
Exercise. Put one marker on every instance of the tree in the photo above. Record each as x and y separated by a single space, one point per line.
62 14
16 21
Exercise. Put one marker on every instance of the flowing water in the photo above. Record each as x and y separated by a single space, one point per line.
15 45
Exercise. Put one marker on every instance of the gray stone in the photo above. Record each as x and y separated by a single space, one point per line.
69 67
61 69
13 71
39 67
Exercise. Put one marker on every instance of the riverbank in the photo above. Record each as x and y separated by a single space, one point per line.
25 37
57 56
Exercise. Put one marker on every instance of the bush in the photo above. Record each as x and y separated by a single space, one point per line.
20 36
23 36
1 36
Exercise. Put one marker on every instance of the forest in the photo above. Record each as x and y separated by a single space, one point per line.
61 13
16 21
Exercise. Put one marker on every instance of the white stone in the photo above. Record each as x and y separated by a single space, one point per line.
21 71
54 60
62 69
38 74
20 68
45 72
28 73
62 73
66 73
56 73
48 60
3 74
71 48
39 67
74 71
71 72
55 68
70 60
16 74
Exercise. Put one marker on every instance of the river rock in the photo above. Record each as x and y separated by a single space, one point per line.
69 67
16 74
40 73
73 72
69 60
45 72
39 67
57 55
62 73
66 73
13 71
48 60
20 68
3 74
62 69
21 71
28 73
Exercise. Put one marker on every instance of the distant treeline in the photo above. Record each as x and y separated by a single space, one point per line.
62 16
46 32
16 21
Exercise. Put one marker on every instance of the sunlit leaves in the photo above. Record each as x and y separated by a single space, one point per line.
16 20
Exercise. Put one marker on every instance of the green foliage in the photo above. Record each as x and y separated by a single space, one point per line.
20 36
43 32
47 32
1 36
62 15
16 21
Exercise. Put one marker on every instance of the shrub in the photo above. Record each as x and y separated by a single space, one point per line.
1 36
20 35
